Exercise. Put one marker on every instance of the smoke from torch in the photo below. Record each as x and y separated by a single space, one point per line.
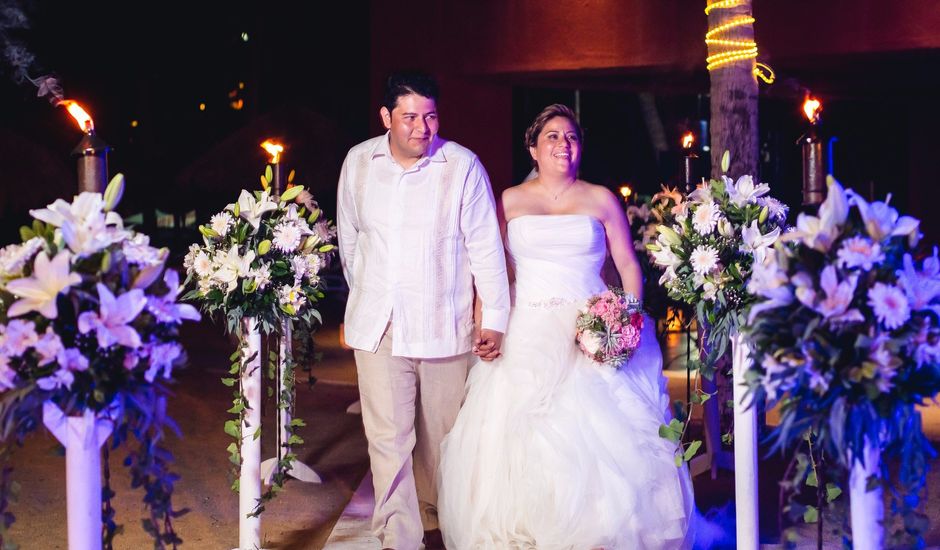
20 60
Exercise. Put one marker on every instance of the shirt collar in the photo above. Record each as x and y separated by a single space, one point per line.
435 151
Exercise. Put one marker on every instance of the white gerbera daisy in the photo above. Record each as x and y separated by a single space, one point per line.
221 223
706 217
287 237
704 259
202 264
859 252
889 304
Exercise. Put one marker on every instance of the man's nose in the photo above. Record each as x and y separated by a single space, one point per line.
421 126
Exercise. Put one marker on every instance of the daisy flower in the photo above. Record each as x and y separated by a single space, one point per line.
706 217
221 223
889 304
704 259
287 237
859 252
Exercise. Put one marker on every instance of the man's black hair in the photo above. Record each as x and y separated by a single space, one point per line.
405 83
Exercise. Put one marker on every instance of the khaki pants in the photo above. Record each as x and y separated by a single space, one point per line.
408 406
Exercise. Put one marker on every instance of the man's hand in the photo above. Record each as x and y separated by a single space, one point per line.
486 345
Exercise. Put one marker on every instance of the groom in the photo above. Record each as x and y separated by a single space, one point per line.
417 234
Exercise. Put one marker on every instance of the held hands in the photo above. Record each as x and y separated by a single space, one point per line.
486 344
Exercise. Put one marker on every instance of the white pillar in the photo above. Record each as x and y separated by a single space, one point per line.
249 485
299 470
867 507
745 449
82 437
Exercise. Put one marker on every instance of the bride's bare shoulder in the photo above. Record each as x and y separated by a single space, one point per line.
514 197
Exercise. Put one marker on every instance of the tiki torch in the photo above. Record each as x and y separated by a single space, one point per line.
814 177
91 152
275 149
688 160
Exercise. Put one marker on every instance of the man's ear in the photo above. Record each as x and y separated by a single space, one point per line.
386 117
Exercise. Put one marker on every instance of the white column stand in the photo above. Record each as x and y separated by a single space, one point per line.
867 507
745 449
249 485
82 437
299 470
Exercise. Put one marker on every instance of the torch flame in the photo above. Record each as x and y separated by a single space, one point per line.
687 140
812 108
273 149
80 115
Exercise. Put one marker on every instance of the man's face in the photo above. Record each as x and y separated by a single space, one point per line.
412 125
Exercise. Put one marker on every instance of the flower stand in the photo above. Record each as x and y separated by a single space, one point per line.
867 507
299 470
745 448
82 437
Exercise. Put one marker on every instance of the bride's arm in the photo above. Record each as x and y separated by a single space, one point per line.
620 243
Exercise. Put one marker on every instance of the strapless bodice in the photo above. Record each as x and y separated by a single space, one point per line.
556 258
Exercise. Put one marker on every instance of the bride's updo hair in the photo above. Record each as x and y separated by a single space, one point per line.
548 113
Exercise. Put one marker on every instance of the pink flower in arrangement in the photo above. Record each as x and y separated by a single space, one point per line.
608 329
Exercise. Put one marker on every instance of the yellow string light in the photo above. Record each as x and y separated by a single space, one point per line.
722 4
732 49
765 73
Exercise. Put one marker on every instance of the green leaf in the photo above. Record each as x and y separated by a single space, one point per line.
832 491
811 480
229 381
232 428
291 193
691 450
667 432
811 514
295 440
257 434
238 408
235 355
297 422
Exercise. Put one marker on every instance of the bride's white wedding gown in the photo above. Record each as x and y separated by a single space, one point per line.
551 451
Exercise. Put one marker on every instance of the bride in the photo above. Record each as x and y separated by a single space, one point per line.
551 451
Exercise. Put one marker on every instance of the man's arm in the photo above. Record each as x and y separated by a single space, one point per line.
347 223
481 233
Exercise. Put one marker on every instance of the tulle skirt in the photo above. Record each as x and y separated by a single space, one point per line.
552 451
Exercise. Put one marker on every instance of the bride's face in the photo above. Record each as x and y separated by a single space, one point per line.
558 148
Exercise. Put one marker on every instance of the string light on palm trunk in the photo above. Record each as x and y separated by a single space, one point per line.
729 48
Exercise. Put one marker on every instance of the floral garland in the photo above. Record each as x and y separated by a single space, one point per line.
88 323
707 245
846 338
261 257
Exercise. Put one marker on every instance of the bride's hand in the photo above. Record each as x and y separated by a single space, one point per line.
486 345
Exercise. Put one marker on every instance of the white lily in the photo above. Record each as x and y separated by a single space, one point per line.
822 231
703 192
744 191
882 221
252 209
83 224
231 266
111 322
165 308
756 243
835 305
40 291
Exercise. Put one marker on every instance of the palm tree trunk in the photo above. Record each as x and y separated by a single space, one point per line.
733 97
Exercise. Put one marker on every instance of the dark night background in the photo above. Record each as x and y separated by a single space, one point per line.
311 71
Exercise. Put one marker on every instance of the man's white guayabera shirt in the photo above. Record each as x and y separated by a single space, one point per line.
413 243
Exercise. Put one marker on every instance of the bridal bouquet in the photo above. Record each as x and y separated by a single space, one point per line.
89 321
609 327
846 334
707 246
